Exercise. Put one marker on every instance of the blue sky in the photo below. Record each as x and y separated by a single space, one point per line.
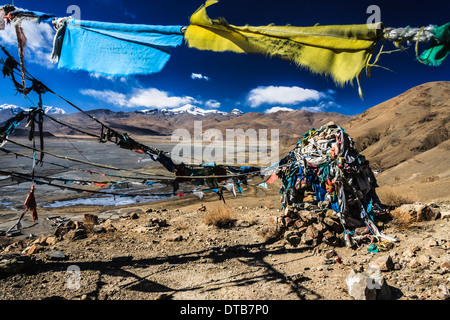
225 81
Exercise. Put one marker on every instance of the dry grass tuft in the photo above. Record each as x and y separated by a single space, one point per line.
271 234
89 221
396 196
220 217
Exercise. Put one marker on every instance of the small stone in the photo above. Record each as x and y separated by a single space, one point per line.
299 224
51 241
109 227
414 263
432 243
330 253
98 229
287 221
443 292
435 251
329 237
333 224
134 215
293 238
76 234
32 249
310 206
409 253
78 225
320 227
70 224
361 231
158 222
445 267
174 237
242 224
383 263
445 215
57 255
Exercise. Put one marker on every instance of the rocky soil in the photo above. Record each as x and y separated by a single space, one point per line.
172 250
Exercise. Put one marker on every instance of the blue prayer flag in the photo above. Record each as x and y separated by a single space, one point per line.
117 49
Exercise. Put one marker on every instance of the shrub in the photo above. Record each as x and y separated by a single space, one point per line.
220 217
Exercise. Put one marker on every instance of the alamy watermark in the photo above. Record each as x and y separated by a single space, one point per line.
236 146
74 11
375 15
73 277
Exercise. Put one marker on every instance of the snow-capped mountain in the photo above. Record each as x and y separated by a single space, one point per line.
196 111
236 112
15 109
11 108
53 110
191 109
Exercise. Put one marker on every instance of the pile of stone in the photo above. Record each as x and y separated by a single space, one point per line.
328 188
74 230
315 225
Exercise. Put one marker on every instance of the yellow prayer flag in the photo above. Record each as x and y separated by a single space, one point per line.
340 51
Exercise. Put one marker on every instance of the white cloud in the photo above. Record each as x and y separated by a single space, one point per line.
108 96
276 109
213 104
148 98
111 78
282 95
39 41
323 106
154 98
199 76
314 109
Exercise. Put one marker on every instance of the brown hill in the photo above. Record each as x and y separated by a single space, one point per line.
407 139
291 125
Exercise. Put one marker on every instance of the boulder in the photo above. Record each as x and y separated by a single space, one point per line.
330 238
293 238
369 285
98 229
383 263
333 224
51 241
57 256
417 212
76 234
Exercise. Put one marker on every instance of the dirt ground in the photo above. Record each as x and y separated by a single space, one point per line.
187 259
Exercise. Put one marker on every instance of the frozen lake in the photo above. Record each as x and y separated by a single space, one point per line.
13 193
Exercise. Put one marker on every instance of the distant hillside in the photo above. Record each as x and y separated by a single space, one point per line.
407 138
291 125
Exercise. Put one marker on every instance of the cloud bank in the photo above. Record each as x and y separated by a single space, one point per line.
198 76
272 95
